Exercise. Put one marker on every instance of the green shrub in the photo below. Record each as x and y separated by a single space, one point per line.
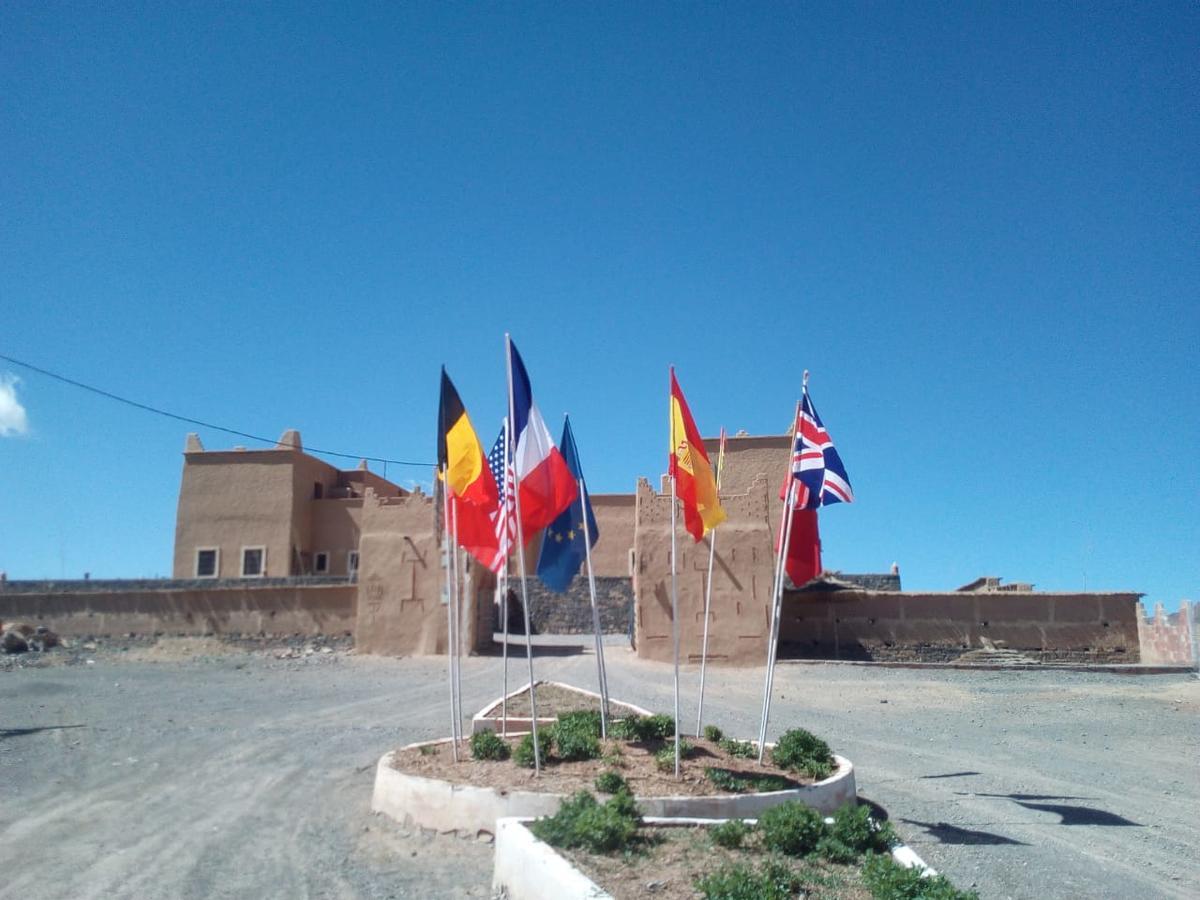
660 725
665 758
577 735
488 745
611 783
739 783
713 733
523 753
582 822
792 828
740 749
886 879
803 751
773 881
626 729
855 832
428 749
730 834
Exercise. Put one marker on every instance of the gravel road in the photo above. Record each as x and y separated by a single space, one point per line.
237 774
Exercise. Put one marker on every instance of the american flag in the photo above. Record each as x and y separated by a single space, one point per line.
820 476
504 519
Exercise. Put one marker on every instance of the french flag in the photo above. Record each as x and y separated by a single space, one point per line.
545 485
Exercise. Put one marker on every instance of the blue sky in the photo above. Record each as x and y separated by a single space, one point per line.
975 223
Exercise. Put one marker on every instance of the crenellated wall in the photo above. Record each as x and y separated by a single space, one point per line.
1169 639
742 570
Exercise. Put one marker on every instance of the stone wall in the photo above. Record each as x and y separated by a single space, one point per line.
1169 639
270 606
571 613
1098 628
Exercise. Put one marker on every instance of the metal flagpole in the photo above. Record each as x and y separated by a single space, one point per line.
674 580
587 548
457 599
512 416
449 621
712 552
785 538
504 588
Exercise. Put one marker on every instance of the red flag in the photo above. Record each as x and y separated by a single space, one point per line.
803 561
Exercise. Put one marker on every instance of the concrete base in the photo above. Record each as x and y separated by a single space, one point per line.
525 868
432 803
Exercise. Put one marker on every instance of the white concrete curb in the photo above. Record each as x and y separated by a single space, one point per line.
485 721
525 868
433 803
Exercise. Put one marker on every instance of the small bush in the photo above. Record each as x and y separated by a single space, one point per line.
582 822
660 725
739 783
792 828
713 733
886 879
665 758
523 753
740 749
627 729
730 834
773 881
577 735
803 751
854 830
428 749
614 755
611 783
488 745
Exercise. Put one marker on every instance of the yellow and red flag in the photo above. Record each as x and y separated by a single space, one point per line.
474 497
695 484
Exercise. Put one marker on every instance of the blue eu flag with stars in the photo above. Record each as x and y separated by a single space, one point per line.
563 550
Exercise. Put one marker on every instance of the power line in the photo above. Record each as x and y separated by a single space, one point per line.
170 415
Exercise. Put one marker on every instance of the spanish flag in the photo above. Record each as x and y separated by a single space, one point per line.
689 466
461 463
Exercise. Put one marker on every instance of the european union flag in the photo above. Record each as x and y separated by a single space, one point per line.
563 550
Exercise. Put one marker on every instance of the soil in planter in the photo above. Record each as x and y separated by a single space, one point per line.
667 864
553 699
633 760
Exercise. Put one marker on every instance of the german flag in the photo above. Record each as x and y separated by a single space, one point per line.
689 466
468 478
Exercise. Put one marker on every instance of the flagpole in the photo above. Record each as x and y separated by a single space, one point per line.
457 598
674 579
587 547
712 552
512 415
785 539
449 621
504 588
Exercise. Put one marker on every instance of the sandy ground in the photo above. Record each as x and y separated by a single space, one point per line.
154 773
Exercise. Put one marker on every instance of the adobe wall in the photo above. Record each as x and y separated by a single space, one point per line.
336 523
742 574
940 627
1169 639
231 500
400 583
274 607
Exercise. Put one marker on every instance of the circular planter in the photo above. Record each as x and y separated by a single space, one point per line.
441 805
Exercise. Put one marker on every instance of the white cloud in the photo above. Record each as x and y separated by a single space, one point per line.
13 421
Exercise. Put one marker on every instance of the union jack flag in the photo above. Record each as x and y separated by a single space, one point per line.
817 469
504 519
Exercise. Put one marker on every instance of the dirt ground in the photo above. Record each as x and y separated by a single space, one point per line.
151 773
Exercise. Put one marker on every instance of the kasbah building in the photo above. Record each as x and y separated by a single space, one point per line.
276 542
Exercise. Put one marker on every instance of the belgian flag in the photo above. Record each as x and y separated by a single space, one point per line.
468 478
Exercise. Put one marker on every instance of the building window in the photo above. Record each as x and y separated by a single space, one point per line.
352 562
254 562
318 490
321 563
208 562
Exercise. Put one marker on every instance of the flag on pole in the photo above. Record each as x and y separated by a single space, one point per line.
504 520
546 484
563 550
467 477
695 483
820 476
